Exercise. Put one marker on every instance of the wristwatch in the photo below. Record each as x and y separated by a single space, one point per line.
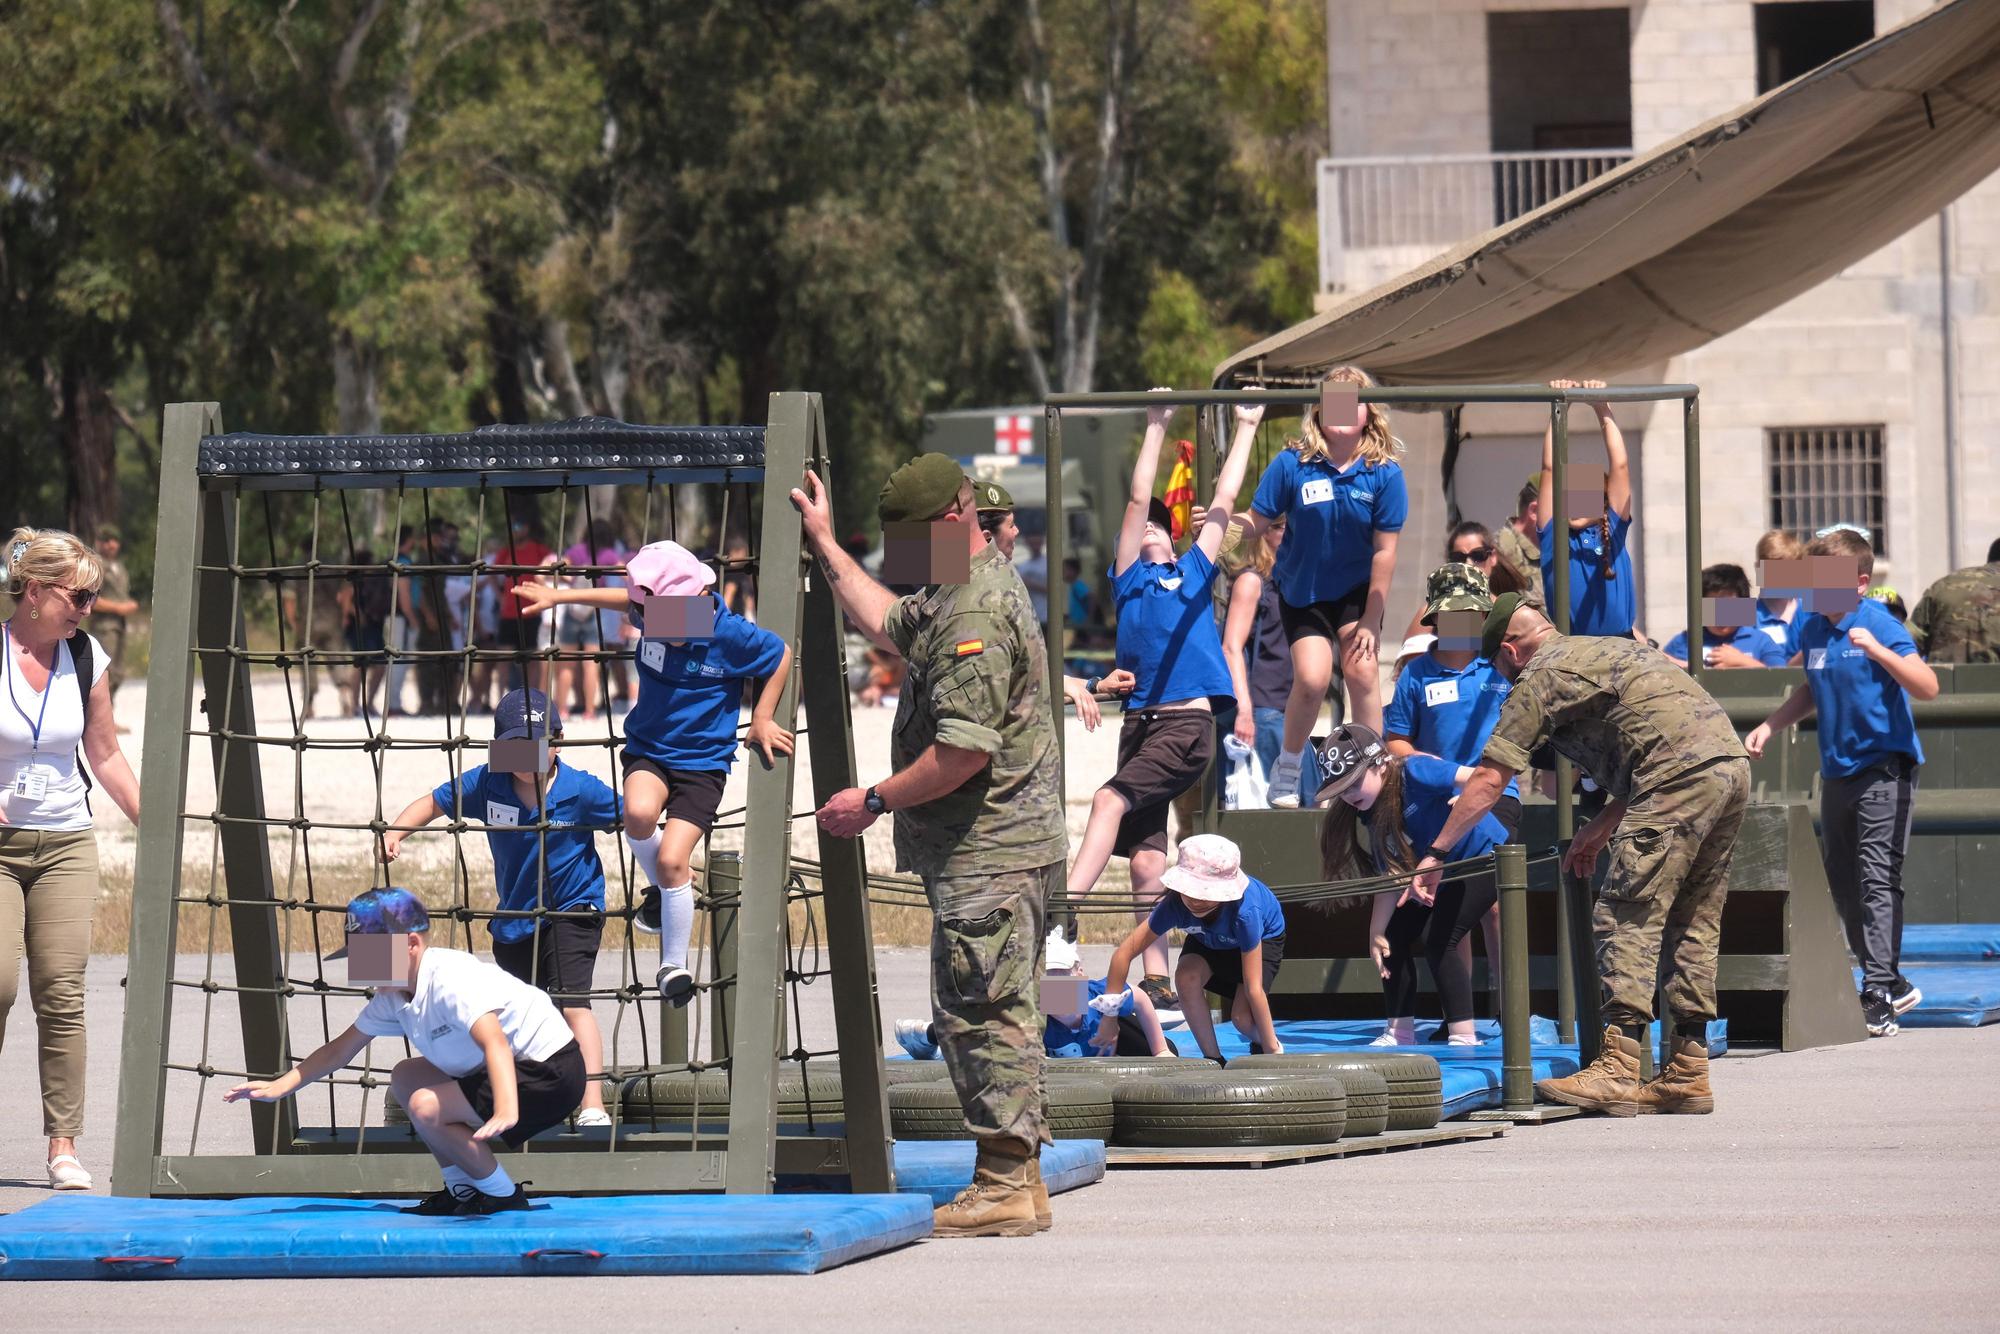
873 801
1090 686
1438 853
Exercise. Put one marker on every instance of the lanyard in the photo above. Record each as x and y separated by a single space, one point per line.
34 727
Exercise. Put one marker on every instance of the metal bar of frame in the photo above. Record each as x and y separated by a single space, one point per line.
1056 549
1558 597
850 931
1517 1066
142 1088
1691 500
1430 395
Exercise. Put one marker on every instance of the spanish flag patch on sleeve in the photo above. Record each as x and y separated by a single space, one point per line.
967 647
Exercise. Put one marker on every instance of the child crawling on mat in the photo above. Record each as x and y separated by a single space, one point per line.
494 1060
556 869
1235 941
1137 1031
680 738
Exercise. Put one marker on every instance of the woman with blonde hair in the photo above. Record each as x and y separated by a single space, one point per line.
58 700
1342 493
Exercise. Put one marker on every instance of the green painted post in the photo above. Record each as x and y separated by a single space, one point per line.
1517 1067
156 872
1565 775
1691 546
1058 544
725 896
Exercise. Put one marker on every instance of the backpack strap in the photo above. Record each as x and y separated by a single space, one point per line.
83 658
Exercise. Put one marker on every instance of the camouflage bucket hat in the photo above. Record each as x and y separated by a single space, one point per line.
988 497
1342 758
1456 587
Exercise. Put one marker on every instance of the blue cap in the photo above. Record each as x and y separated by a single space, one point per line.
381 912
525 713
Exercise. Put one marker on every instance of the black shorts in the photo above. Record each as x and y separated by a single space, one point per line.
561 958
545 1091
1132 1039
521 634
1507 810
1225 967
1161 754
1323 619
693 795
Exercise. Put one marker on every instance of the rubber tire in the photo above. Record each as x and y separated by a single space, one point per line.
1224 1112
1416 1086
1076 1109
913 1072
1128 1067
671 1098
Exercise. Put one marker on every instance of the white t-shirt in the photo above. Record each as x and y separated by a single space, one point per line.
62 804
453 990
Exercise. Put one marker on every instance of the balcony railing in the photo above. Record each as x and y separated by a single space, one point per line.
1381 215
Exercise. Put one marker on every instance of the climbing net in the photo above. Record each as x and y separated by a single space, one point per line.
289 820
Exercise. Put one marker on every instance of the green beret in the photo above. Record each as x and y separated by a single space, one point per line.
989 496
921 489
1495 628
108 532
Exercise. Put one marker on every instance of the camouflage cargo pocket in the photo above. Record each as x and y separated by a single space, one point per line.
1639 857
981 960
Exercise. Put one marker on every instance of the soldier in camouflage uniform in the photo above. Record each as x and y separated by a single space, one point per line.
114 604
1679 781
1958 619
977 795
1519 549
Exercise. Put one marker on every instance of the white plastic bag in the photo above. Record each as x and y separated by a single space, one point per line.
1245 788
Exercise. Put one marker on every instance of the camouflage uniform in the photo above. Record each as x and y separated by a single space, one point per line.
1653 738
1958 619
108 627
1523 555
991 852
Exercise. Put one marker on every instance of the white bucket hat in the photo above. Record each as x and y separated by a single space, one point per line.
1210 868
1058 954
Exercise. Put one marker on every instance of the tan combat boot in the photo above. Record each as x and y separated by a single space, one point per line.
1044 1219
1608 1084
1682 1088
1000 1202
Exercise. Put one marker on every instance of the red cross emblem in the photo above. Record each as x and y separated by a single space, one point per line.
1013 434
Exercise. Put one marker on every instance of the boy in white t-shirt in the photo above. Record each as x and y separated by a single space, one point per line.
495 1059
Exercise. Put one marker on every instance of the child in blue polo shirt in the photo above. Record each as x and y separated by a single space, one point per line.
1080 1034
1344 501
1168 640
1862 668
1409 798
554 869
680 738
1235 940
1601 596
1727 647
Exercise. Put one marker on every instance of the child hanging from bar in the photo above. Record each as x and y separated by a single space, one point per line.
556 870
680 737
1167 639
1235 940
1408 798
1344 500
494 1060
1073 1002
1597 508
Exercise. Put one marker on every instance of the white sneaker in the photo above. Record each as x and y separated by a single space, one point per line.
594 1116
912 1036
66 1173
1285 782
1388 1039
676 985
1467 1041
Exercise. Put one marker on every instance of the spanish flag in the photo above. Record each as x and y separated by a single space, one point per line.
1180 489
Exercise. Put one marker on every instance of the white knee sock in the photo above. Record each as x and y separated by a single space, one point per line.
497 1184
676 924
646 852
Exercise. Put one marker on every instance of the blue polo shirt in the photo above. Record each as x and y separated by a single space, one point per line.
1166 631
691 693
1331 518
576 800
1448 713
1429 784
1242 925
1772 624
1062 1040
1751 639
1597 605
1864 714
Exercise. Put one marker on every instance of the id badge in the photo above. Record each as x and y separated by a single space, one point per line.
1317 491
1816 660
653 654
1440 692
32 783
501 814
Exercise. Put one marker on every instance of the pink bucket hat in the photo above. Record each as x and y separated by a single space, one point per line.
668 569
1210 868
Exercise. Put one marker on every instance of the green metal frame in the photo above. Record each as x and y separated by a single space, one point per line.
198 616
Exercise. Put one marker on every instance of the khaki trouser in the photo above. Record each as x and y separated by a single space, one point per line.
48 887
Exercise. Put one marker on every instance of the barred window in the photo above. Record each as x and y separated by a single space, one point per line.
1824 475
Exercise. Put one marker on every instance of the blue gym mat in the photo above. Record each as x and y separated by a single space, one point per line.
1974 943
93 1236
939 1169
1956 995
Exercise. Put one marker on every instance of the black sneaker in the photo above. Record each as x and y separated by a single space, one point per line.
1160 991
676 985
1905 998
481 1204
647 919
441 1203
1879 1013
